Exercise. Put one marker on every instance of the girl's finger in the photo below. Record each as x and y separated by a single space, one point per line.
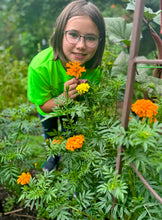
73 87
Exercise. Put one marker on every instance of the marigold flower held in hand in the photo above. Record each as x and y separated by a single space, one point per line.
145 109
24 178
75 69
82 88
75 142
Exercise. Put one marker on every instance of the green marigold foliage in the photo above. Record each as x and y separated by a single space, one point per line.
16 147
84 185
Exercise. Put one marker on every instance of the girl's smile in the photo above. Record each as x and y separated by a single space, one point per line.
80 51
79 56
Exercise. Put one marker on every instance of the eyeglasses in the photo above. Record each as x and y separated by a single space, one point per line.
73 37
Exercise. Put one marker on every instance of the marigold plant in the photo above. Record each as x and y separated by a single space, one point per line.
145 109
75 69
83 88
75 142
24 178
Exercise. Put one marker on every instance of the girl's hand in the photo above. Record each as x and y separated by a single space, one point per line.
72 84
72 94
82 81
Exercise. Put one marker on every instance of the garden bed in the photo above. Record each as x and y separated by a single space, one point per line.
17 212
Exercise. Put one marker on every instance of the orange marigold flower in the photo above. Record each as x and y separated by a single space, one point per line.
75 142
145 109
57 140
113 6
75 69
24 178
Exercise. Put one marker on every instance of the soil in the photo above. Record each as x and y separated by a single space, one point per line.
18 213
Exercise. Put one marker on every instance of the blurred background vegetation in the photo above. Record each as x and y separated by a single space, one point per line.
26 27
26 24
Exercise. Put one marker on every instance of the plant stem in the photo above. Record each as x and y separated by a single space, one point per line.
146 183
131 184
83 213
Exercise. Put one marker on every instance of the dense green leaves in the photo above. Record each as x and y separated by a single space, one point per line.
86 182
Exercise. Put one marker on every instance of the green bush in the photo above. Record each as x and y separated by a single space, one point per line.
13 85
84 185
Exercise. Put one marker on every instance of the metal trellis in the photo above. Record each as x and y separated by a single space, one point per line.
133 61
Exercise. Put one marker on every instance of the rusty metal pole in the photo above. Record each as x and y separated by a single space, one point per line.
134 49
133 60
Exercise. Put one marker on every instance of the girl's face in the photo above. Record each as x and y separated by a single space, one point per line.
78 48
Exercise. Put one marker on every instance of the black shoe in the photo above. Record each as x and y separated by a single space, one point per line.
51 164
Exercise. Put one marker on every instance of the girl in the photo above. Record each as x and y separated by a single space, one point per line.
79 36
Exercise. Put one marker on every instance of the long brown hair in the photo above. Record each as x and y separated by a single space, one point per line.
79 8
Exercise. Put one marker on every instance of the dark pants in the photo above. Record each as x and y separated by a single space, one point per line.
48 126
